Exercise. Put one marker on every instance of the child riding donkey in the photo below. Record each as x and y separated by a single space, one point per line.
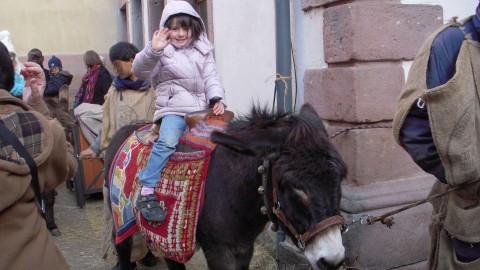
179 61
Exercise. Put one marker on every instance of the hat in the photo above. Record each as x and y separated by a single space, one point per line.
54 62
7 41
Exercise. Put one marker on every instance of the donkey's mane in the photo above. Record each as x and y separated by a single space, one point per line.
258 118
295 127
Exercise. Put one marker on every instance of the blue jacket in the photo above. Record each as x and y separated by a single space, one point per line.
56 81
19 84
415 134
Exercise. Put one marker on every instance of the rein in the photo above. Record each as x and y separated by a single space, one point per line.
302 239
387 218
359 127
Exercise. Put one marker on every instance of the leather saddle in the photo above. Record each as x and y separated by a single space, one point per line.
191 118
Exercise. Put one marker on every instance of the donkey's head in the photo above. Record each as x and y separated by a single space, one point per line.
304 176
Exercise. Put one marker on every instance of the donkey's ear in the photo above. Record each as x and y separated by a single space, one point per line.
308 113
262 143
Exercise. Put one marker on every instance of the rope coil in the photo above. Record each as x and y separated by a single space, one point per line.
279 77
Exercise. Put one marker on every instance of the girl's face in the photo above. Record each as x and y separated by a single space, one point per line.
178 35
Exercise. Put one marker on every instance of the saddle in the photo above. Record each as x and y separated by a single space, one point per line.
194 117
191 118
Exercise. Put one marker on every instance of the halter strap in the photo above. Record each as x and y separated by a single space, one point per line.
302 239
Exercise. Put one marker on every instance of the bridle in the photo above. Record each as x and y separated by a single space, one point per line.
302 239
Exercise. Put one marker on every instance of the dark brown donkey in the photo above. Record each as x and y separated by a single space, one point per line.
58 108
302 172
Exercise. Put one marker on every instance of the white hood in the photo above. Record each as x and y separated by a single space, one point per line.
176 7
7 41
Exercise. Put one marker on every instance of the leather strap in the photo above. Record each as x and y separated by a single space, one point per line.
17 145
322 225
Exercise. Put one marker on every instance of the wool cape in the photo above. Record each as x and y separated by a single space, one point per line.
124 107
454 116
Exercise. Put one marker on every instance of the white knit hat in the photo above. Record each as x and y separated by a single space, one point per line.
7 41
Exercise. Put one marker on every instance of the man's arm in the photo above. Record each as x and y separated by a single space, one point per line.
416 135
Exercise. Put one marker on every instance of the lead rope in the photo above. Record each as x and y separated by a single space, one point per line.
387 218
359 127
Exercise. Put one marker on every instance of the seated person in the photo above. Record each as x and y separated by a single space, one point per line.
58 77
95 82
35 55
128 100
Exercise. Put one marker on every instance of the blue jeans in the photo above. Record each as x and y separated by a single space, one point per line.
171 129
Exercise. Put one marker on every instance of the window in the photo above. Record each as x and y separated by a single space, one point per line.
203 8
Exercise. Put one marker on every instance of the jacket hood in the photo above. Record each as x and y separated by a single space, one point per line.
177 7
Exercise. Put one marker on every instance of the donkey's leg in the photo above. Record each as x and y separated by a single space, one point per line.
123 253
242 259
228 258
219 257
49 200
173 265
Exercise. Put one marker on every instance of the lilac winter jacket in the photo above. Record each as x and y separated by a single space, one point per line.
185 79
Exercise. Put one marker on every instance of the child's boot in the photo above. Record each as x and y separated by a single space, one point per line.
149 206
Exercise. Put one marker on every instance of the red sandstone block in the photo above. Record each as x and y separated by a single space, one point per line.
372 155
367 31
355 94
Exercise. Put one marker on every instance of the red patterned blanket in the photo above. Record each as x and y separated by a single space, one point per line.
180 191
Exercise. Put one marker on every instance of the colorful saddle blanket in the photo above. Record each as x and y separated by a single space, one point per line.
180 190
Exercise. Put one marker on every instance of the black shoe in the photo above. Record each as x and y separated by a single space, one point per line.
150 208
149 259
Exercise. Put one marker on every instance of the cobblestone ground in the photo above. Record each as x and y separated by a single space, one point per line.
81 236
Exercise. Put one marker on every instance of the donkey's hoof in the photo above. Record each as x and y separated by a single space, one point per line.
133 265
70 185
55 232
149 260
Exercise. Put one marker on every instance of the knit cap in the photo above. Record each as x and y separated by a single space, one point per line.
54 62
7 41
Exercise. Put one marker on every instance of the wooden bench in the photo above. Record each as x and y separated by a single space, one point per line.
90 174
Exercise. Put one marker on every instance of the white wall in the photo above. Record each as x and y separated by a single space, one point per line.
307 34
245 51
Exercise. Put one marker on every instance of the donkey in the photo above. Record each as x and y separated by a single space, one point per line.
291 158
58 108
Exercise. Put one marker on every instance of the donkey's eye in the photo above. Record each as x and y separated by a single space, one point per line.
302 196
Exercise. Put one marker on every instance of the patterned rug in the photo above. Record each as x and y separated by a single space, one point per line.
180 191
